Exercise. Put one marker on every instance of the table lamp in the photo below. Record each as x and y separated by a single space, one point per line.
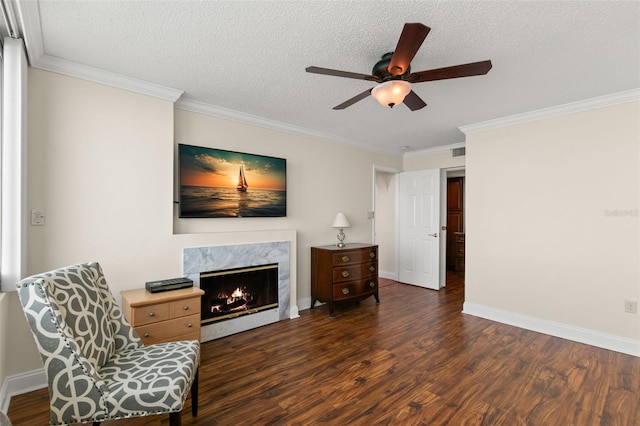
341 222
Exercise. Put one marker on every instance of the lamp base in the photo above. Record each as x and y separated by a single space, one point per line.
341 239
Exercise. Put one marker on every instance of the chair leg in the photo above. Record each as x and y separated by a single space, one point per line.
175 418
194 395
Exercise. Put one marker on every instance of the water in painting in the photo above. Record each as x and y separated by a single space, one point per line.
204 201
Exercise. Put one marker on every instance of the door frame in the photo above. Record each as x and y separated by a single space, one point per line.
383 169
443 215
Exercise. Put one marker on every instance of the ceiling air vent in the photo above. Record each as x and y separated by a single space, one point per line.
457 152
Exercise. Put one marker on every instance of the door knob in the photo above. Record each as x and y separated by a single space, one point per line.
435 234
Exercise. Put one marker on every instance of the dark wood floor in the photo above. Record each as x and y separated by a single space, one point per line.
412 360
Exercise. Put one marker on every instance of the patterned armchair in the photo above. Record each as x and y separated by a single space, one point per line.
97 367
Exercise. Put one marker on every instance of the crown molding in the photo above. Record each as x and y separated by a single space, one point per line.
29 16
74 69
556 111
253 120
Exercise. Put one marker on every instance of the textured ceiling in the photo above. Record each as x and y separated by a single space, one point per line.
250 57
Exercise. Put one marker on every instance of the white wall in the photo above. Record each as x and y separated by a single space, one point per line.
386 185
541 242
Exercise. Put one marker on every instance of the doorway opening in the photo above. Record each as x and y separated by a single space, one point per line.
455 223
385 216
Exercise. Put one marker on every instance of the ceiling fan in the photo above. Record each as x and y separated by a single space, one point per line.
393 72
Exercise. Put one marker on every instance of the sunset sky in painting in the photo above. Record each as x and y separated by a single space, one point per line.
217 168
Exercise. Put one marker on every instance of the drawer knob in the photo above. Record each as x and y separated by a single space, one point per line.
345 258
372 284
185 308
146 334
372 268
372 254
151 314
345 274
189 325
345 290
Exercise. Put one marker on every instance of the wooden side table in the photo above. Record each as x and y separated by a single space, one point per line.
340 274
163 317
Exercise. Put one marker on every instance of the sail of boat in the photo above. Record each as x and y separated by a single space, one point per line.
242 180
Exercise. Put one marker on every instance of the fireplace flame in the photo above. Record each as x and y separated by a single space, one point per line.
238 301
239 291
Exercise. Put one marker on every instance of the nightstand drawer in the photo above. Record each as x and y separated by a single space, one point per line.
169 330
184 307
351 289
355 272
149 314
354 257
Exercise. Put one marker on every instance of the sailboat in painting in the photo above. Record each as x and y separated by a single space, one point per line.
242 180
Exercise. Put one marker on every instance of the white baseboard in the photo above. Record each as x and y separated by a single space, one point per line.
388 275
19 384
294 312
304 303
564 331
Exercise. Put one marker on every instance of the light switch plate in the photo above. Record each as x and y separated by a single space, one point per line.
37 217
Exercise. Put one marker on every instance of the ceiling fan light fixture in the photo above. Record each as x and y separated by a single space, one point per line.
391 92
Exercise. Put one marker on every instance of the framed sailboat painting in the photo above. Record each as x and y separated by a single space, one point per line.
220 183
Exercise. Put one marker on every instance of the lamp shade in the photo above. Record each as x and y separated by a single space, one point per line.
341 221
391 92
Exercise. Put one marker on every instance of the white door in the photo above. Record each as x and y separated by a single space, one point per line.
419 225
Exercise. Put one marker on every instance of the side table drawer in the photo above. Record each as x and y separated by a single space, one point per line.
354 257
351 289
169 330
184 307
355 272
149 314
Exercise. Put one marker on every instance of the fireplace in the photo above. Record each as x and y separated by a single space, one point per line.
231 293
200 260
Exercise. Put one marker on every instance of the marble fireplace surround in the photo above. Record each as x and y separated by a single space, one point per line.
214 258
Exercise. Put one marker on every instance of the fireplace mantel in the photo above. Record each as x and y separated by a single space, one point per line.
214 258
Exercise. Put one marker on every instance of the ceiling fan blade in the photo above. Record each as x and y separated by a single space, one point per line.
414 102
353 100
413 34
338 73
464 70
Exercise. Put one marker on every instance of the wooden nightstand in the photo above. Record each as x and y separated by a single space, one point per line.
340 274
163 317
